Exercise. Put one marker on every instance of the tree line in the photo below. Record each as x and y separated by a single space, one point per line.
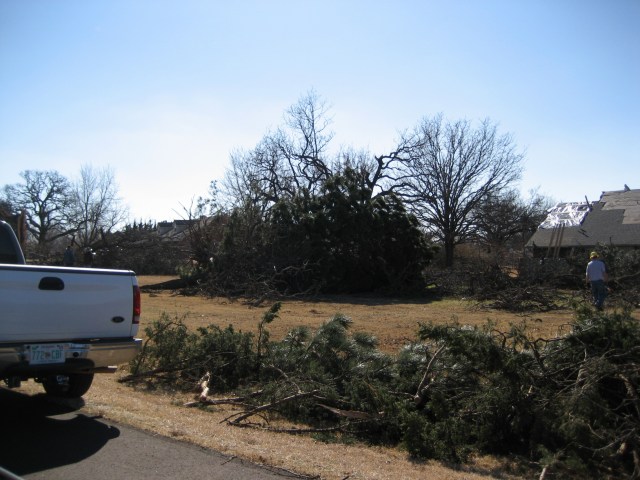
295 214
56 211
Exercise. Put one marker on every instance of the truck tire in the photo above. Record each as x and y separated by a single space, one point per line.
73 385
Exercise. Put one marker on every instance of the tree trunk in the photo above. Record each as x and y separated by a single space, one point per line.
449 245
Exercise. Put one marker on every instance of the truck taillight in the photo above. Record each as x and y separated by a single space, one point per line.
137 306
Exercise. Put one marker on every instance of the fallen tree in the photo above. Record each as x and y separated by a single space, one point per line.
568 405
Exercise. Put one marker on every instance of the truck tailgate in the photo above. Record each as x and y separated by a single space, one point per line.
54 303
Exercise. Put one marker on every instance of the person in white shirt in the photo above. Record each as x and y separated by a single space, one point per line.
597 276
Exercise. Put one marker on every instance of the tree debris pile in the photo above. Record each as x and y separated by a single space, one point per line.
568 406
536 282
494 287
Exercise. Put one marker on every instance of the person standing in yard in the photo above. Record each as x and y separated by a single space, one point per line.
597 276
69 258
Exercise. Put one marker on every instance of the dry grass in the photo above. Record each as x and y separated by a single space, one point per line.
393 321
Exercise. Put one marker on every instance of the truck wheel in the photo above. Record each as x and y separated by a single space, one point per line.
73 385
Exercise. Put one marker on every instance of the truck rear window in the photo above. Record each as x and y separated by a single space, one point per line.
8 252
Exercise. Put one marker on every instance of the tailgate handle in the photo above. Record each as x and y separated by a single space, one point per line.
51 283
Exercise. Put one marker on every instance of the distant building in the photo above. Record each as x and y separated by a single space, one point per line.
612 220
175 229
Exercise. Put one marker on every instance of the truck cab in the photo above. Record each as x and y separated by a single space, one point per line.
10 251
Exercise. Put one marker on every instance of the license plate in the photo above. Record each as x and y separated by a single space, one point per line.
46 353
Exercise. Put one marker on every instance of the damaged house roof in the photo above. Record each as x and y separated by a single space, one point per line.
613 220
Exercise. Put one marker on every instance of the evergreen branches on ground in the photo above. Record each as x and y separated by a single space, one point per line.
569 405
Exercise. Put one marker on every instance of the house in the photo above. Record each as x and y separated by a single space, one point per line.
174 230
612 220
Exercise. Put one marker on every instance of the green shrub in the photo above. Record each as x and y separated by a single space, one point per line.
181 357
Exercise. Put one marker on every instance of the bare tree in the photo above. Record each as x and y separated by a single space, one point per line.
45 197
447 169
508 220
375 172
306 149
97 207
286 162
257 177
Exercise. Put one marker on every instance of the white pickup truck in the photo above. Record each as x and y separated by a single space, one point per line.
60 325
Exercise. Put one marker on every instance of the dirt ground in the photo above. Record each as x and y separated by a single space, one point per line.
393 321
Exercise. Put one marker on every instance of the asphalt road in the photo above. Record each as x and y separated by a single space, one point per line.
41 439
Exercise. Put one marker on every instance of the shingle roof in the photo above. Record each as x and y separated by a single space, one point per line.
614 219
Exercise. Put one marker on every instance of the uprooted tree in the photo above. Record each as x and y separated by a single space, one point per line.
568 404
294 218
338 238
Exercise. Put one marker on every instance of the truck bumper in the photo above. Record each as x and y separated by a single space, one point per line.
89 356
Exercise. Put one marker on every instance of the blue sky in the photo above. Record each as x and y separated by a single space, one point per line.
163 91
